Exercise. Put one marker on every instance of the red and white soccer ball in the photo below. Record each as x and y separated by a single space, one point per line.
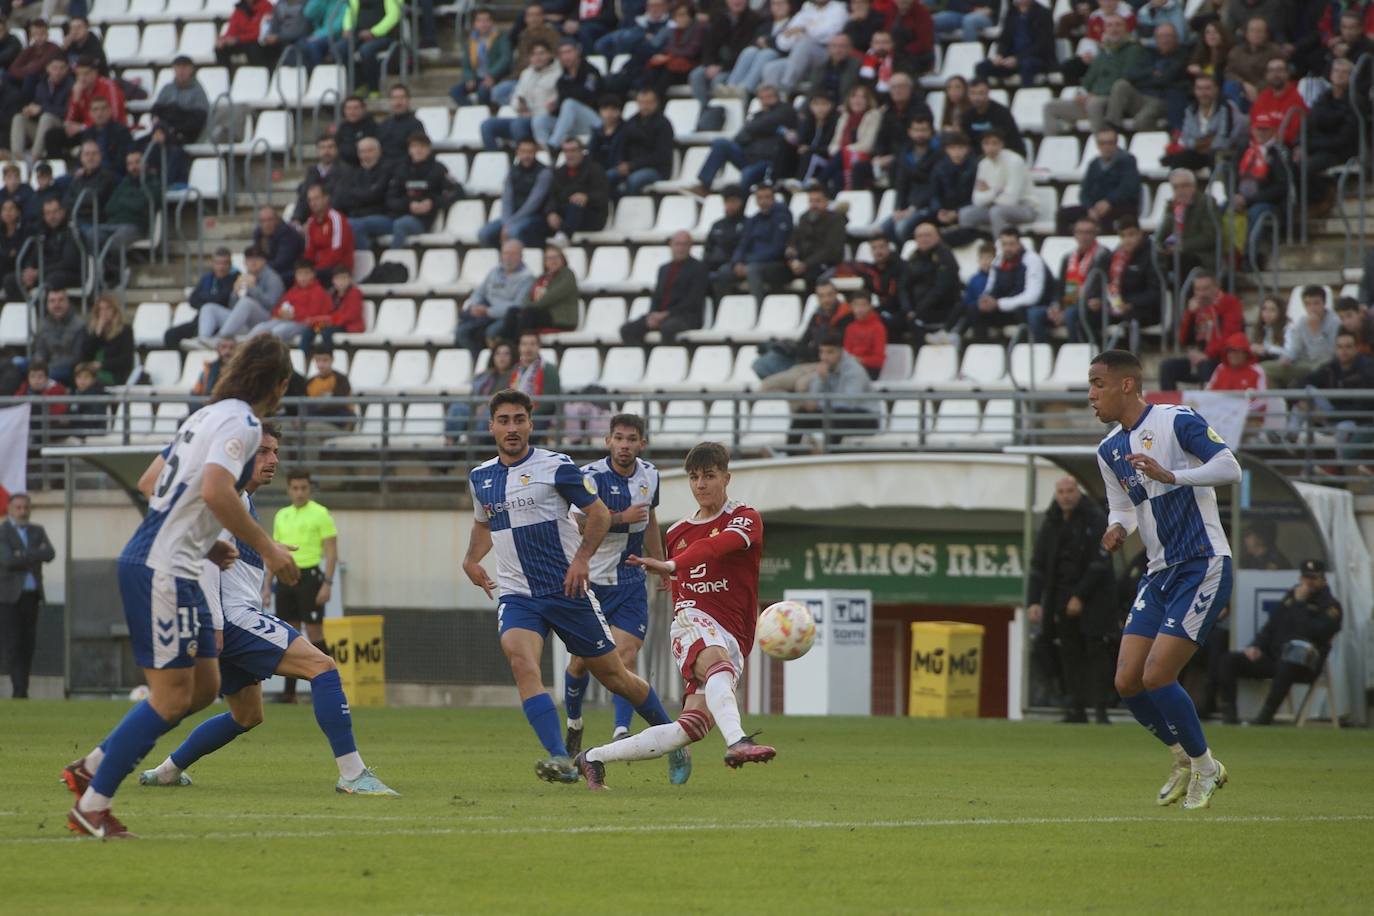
786 630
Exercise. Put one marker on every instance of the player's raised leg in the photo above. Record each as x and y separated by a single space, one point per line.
691 726
1130 672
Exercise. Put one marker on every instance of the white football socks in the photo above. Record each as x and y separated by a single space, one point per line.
1180 755
720 699
93 760
575 724
646 745
167 772
1204 764
94 801
350 765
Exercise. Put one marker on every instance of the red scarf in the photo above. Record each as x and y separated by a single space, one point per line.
1076 271
1255 163
850 157
1120 258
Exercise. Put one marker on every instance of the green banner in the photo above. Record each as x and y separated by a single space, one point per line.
899 567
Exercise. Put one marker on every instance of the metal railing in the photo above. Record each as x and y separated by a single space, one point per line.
1267 218
427 442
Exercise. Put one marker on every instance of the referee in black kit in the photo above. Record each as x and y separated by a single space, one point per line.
307 526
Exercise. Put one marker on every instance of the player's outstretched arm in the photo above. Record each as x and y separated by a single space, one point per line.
220 494
575 582
479 545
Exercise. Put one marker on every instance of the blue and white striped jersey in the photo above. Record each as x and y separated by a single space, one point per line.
526 505
179 528
619 493
234 592
1177 522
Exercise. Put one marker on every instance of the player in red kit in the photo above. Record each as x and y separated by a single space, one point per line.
713 559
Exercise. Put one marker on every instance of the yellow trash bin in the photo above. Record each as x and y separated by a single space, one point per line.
944 670
357 647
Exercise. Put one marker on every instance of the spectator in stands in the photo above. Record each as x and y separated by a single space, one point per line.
125 217
1082 276
44 187
505 287
580 198
572 110
345 315
1292 646
552 303
282 244
803 42
790 365
375 25
646 150
816 243
851 146
469 417
13 234
983 115
1002 189
1271 323
930 299
956 104
90 187
1332 136
913 186
804 154
1188 231
364 196
1111 188
10 45
57 252
85 418
26 69
1133 290
607 141
240 40
522 200
1356 319
88 87
303 302
44 424
866 336
536 31
723 237
1261 182
876 68
164 161
913 34
749 67
1159 90
1209 321
639 34
537 379
1280 102
328 238
1240 370
756 146
760 257
23 195
421 189
901 109
884 277
113 138
1118 58
328 19
288 25
1018 281
1025 45
1308 343
328 172
953 180
730 31
107 342
679 54
1247 64
1154 14
484 58
837 72
32 124
356 126
535 91
679 299
216 287
395 132
1210 55
967 17
328 390
255 293
1212 125
838 378
58 340
594 19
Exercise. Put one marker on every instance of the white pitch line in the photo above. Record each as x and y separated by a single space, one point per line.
743 825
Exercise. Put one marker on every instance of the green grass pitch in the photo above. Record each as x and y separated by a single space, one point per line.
855 816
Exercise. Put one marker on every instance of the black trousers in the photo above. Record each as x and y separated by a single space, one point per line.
632 332
1085 662
1177 369
844 421
1285 674
18 636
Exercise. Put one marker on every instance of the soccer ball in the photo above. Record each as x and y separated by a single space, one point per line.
786 630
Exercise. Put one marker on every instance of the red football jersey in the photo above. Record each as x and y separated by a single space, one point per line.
718 568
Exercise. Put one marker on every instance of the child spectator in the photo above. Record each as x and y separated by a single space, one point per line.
303 302
86 417
978 283
1240 371
345 314
1267 337
865 338
329 387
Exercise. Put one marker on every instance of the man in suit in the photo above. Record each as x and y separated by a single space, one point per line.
24 548
679 300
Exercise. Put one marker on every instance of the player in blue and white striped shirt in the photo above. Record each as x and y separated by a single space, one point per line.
1159 464
521 502
628 485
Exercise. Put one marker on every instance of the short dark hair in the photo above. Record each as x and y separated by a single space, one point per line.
1346 332
979 81
400 87
832 339
707 456
355 98
1126 222
630 421
510 396
418 137
221 252
253 251
955 138
540 43
1347 304
608 101
860 296
1314 292
1009 232
271 429
1123 361
1204 274
993 133
298 474
326 137
86 61
37 364
305 264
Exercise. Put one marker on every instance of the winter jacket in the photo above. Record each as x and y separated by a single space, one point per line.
818 238
1227 127
307 303
837 388
589 180
953 183
1271 108
764 238
498 57
932 285
761 137
97 187
560 298
54 100
648 144
727 37
865 137
1332 128
115 355
1112 64
59 341
185 108
1074 543
1040 27
380 17
32 61
834 80
1008 182
329 17
914 169
1210 326
1115 180
365 192
1316 620
997 116
1246 65
328 241
284 248
819 327
866 340
1247 377
1159 74
289 22
583 86
1198 236
348 134
338 177
79 105
525 191
424 180
1332 376
128 204
219 290
723 240
115 142
394 136
345 312
245 22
